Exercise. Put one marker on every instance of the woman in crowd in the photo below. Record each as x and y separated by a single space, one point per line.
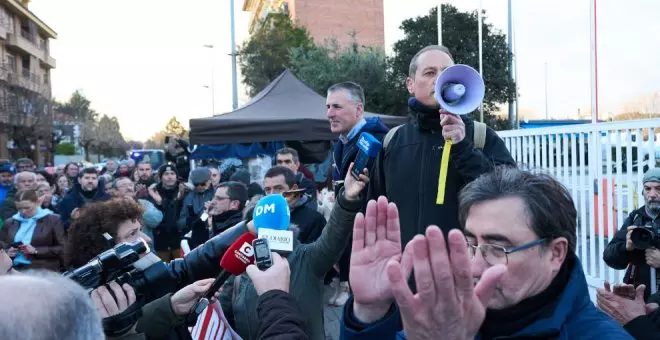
35 235
61 188
45 194
121 219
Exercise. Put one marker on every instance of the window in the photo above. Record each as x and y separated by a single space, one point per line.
11 62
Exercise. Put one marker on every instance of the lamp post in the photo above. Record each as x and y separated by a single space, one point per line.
212 79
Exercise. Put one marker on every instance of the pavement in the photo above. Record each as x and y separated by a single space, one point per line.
332 316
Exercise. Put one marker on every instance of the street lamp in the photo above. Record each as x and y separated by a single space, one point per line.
212 80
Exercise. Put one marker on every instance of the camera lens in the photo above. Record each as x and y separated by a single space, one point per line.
642 238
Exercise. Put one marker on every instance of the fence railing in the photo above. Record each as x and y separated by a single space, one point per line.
602 166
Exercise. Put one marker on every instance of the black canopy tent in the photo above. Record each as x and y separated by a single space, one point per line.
286 109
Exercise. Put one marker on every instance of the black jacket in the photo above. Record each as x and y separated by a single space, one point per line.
406 172
616 256
75 199
280 317
166 235
310 222
222 222
310 190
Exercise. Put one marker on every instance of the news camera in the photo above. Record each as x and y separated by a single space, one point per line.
130 263
645 237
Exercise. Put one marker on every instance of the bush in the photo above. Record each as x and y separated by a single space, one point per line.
66 149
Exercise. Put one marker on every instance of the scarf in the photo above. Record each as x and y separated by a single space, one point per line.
428 118
26 231
511 320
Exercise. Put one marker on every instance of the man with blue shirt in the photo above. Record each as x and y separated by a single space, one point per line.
6 180
512 273
345 103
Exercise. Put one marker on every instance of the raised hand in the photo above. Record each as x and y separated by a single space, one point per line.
447 305
376 241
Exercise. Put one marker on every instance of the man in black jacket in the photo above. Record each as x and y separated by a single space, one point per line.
224 211
288 157
621 253
310 222
407 169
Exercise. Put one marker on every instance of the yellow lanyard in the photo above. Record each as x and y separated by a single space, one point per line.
442 177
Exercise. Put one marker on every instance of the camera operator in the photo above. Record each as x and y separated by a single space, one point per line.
621 252
176 152
121 219
278 311
625 304
124 318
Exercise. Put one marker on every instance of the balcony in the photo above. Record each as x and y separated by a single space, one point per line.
27 43
25 79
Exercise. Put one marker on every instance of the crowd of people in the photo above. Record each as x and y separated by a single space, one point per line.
496 260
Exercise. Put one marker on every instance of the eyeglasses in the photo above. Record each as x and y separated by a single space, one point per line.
494 254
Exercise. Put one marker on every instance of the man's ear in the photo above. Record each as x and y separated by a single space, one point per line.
409 85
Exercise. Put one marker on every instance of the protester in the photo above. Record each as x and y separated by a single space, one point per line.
621 253
168 196
22 181
41 305
123 188
625 304
288 157
516 247
310 223
6 180
86 190
407 169
224 211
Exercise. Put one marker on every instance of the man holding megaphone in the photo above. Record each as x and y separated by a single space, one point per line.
440 137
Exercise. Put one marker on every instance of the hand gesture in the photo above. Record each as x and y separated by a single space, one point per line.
453 127
376 241
353 187
447 304
155 195
622 309
107 305
186 298
139 187
12 252
274 278
629 243
75 213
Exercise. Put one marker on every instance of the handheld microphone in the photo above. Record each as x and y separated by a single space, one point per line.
271 219
369 148
234 262
271 212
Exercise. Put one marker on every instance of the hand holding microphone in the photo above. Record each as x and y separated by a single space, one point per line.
274 278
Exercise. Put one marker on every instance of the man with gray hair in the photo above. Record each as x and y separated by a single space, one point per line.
23 180
64 312
345 103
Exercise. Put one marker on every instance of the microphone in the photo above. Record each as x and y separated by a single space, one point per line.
234 262
271 219
369 147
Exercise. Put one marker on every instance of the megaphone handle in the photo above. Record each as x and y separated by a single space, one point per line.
442 178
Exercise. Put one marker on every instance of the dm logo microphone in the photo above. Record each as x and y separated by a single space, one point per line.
272 212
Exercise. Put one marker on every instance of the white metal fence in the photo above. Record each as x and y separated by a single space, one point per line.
602 165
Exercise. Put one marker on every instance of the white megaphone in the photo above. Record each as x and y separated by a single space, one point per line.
459 89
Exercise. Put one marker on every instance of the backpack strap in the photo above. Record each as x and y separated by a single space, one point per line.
480 135
389 135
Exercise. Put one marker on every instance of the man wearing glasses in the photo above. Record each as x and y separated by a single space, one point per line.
513 273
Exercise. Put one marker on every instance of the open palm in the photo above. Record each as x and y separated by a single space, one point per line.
376 241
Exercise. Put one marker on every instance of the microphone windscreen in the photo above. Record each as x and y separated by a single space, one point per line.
272 212
239 255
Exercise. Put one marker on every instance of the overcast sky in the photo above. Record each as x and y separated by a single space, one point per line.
143 61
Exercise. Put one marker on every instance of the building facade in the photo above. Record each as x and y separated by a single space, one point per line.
26 112
324 19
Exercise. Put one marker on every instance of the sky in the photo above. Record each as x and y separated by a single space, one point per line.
144 61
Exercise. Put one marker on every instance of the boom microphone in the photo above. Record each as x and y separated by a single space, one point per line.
234 262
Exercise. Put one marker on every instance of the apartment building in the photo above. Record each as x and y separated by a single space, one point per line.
25 88
327 19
